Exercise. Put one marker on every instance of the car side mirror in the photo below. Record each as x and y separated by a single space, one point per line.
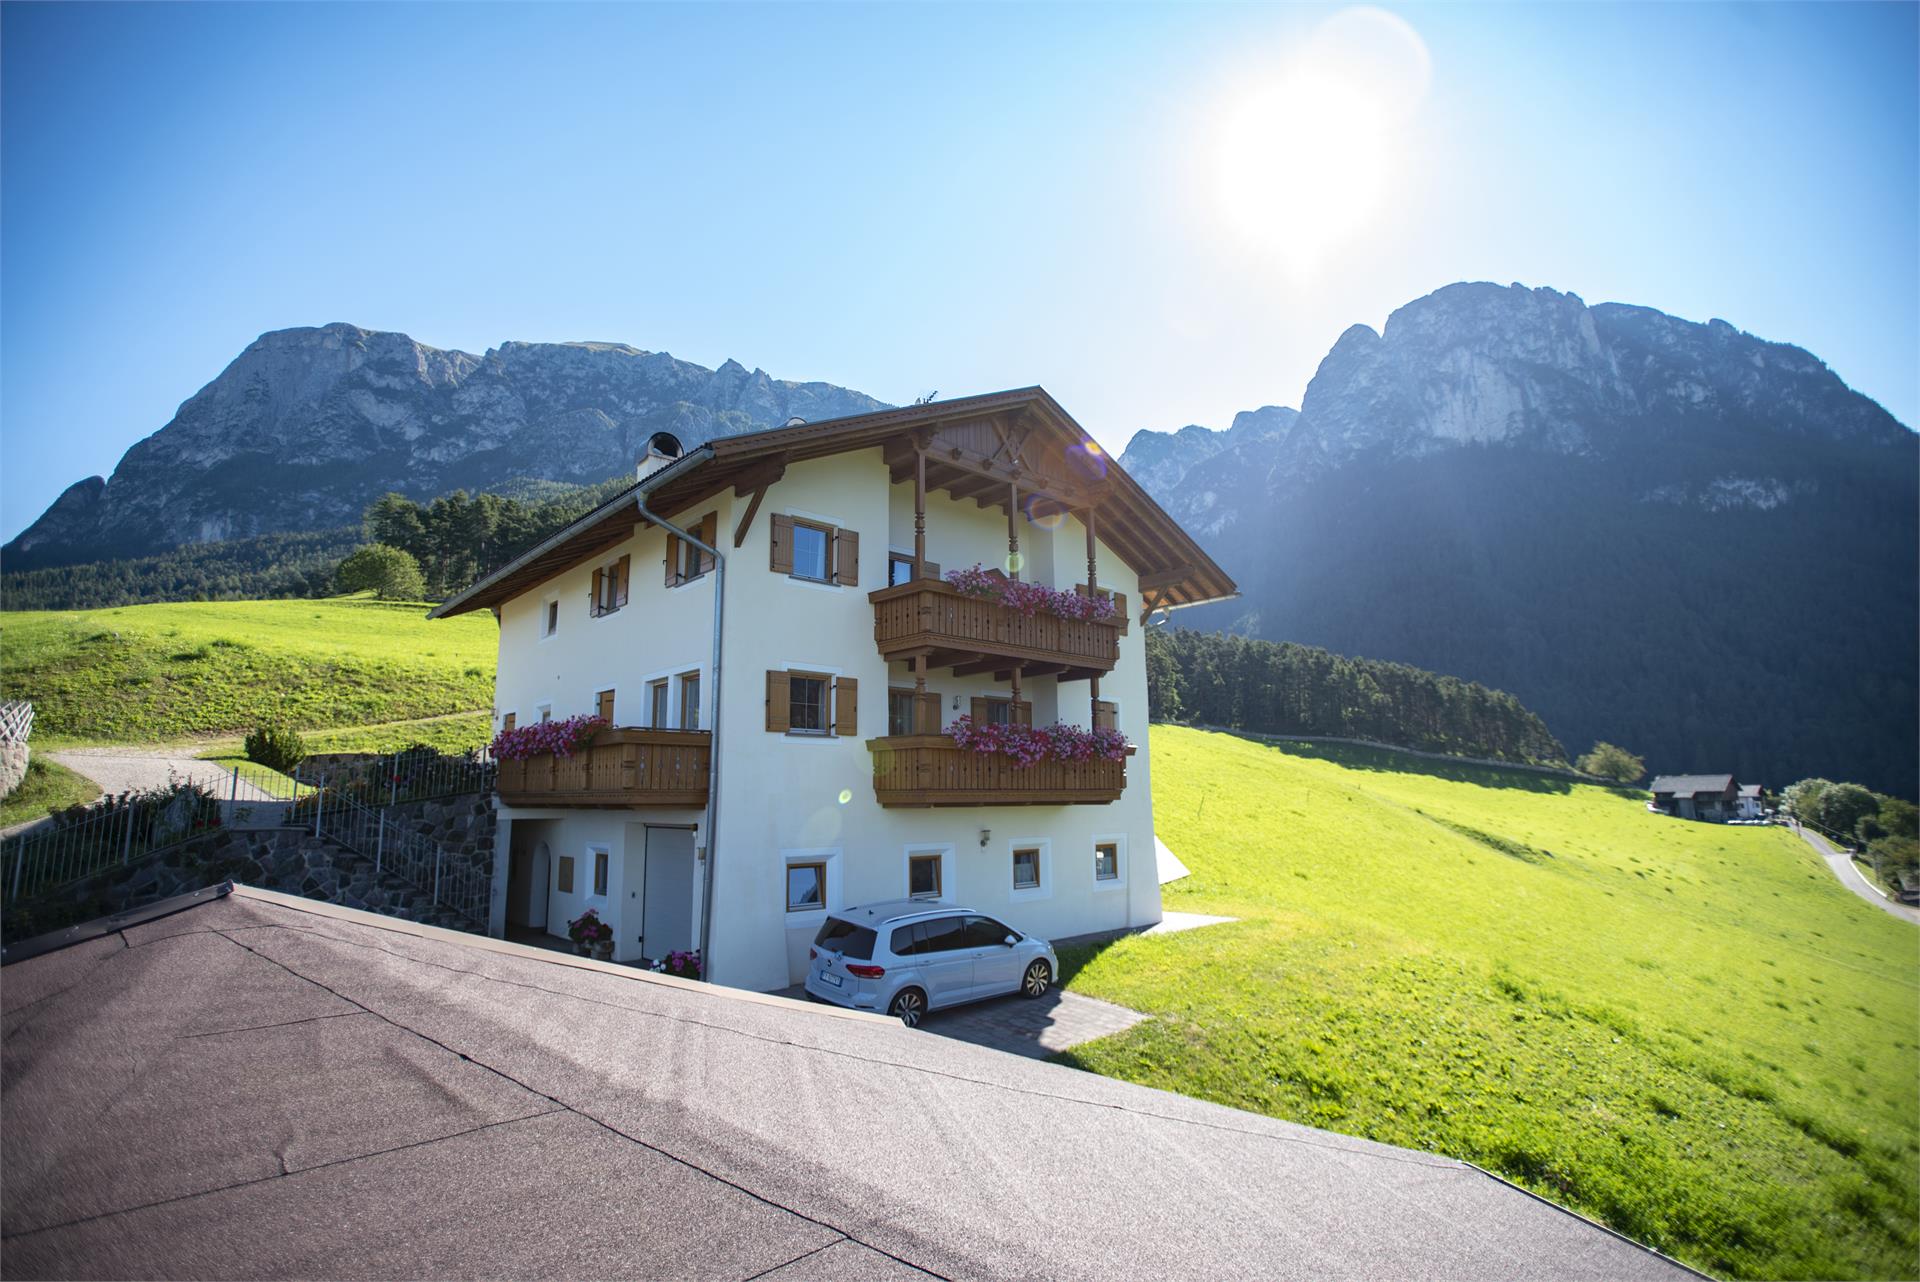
1011 940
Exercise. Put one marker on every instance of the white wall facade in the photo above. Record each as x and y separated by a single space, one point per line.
793 798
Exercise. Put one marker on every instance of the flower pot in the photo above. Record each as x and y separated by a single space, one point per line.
580 947
603 950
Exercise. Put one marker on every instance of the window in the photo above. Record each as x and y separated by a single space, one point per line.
999 711
563 874
985 932
600 873
1106 861
807 705
690 701
552 622
899 569
686 562
814 551
941 935
899 712
506 723
806 887
923 876
603 706
847 939
1026 868
610 587
810 544
657 705
546 712
812 703
902 942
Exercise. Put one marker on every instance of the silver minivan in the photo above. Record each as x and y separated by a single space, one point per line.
908 957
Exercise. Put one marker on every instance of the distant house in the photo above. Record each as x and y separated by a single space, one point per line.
1710 797
1752 802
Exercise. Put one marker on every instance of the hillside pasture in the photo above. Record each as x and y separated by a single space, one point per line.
167 673
1690 1032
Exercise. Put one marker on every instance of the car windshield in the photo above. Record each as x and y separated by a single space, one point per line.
847 938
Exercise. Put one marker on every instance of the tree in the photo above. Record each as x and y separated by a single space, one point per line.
1840 808
1800 799
387 572
1615 763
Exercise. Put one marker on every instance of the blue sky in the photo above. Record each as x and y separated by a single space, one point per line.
906 199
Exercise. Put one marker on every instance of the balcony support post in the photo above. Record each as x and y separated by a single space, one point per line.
919 513
920 725
1093 577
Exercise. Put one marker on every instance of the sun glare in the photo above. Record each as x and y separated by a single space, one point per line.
1306 154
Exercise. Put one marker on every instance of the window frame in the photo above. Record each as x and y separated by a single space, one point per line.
599 872
830 886
1043 889
1118 841
895 693
1018 861
938 855
549 617
899 558
660 704
819 867
825 681
689 718
826 533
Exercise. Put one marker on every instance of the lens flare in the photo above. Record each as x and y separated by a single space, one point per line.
846 795
1015 562
1089 460
1044 512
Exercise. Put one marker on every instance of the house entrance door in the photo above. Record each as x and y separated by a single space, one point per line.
667 914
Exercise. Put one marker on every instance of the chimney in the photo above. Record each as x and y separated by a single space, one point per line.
662 449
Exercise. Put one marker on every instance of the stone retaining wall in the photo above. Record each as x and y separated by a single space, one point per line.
13 765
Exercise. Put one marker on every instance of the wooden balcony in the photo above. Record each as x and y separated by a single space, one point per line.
974 634
930 770
624 766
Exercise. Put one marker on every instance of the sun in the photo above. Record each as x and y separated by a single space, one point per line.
1306 154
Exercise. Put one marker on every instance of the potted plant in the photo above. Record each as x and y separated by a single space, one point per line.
590 935
684 964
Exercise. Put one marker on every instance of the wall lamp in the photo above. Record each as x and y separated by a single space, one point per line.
985 835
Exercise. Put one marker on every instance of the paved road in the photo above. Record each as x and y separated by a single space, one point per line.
123 769
1850 878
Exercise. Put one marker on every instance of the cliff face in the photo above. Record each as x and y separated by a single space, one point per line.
1672 535
307 426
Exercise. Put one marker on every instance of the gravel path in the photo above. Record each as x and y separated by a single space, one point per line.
121 769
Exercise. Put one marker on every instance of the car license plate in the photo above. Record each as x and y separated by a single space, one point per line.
830 978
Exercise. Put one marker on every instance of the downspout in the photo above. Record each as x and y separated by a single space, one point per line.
713 746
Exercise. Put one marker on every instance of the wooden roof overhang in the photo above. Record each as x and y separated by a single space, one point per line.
998 450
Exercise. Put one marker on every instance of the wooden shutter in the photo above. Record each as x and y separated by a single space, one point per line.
604 706
846 558
621 576
1103 714
928 719
781 543
708 530
846 706
599 579
1120 604
979 710
779 702
1021 713
673 560
508 723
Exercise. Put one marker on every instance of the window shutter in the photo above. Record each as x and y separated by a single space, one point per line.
1103 714
708 531
604 708
508 723
846 556
779 702
621 576
928 720
1120 605
673 560
979 710
781 541
599 580
846 706
1021 714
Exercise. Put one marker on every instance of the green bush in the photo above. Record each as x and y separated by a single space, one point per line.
388 572
277 748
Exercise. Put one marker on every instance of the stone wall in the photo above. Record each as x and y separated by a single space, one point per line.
13 765
463 824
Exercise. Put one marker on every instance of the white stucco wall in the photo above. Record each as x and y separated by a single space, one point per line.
794 798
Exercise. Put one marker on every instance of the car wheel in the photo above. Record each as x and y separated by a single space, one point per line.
1035 982
909 1004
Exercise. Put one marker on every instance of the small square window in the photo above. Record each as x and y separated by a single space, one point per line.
810 548
1106 861
1026 869
923 876
807 705
553 619
600 873
806 887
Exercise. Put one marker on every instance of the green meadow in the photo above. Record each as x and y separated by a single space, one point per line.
1689 1032
165 673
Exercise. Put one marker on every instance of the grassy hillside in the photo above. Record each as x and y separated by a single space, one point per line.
157 673
1688 1031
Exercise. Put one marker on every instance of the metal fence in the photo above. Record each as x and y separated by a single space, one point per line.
452 883
64 849
408 776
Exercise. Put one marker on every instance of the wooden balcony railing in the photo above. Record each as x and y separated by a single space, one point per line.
952 628
622 767
930 770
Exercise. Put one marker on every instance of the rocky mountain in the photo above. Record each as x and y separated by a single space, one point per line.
1672 535
307 426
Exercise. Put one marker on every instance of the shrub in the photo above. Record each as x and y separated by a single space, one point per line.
1610 762
387 572
276 748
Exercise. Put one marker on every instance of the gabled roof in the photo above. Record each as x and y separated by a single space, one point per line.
1688 785
979 447
1750 790
265 1086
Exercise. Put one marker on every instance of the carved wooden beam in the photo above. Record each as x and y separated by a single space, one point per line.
1153 603
760 476
746 521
